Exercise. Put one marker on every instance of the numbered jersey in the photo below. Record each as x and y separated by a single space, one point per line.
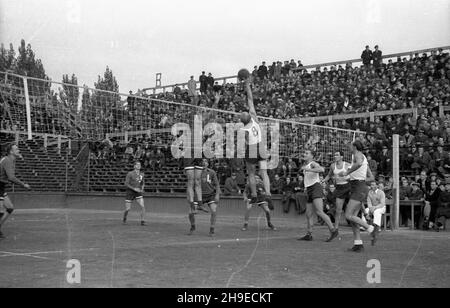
253 132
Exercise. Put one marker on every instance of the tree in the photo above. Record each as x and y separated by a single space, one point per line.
71 92
7 58
27 64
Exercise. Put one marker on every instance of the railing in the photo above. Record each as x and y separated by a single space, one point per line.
307 67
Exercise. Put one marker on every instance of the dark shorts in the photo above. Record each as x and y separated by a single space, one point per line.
343 191
359 190
253 155
3 193
132 195
208 199
193 164
314 192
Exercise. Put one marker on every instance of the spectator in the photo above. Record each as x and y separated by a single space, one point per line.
277 185
262 71
405 189
376 204
366 56
431 205
210 82
377 57
203 83
288 195
160 159
443 210
231 186
192 90
128 153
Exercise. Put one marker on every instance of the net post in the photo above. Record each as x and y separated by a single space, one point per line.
395 211
28 108
45 141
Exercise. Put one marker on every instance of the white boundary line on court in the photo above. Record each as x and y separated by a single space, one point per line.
4 254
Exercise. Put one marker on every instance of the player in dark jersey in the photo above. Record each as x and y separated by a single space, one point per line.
193 169
211 196
262 200
7 175
135 187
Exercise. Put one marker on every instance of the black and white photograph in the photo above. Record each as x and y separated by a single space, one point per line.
225 150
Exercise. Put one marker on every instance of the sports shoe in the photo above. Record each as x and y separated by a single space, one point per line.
143 223
245 227
307 237
271 227
191 231
211 231
357 248
333 235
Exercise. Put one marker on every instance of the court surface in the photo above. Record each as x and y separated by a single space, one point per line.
40 242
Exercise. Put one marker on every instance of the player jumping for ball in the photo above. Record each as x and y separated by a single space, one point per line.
211 196
135 187
314 191
359 173
261 201
341 183
7 174
253 147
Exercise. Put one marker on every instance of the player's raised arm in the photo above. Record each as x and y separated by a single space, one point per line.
251 106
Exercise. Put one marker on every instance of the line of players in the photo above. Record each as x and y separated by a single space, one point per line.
203 186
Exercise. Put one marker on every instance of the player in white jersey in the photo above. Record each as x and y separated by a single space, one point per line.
254 148
342 184
359 173
314 191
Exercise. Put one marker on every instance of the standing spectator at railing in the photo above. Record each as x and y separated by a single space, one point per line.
128 153
277 71
210 82
255 72
377 57
443 210
192 90
203 83
262 71
431 205
366 56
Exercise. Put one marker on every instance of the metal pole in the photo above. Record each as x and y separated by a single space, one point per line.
395 211
89 167
28 108
67 167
